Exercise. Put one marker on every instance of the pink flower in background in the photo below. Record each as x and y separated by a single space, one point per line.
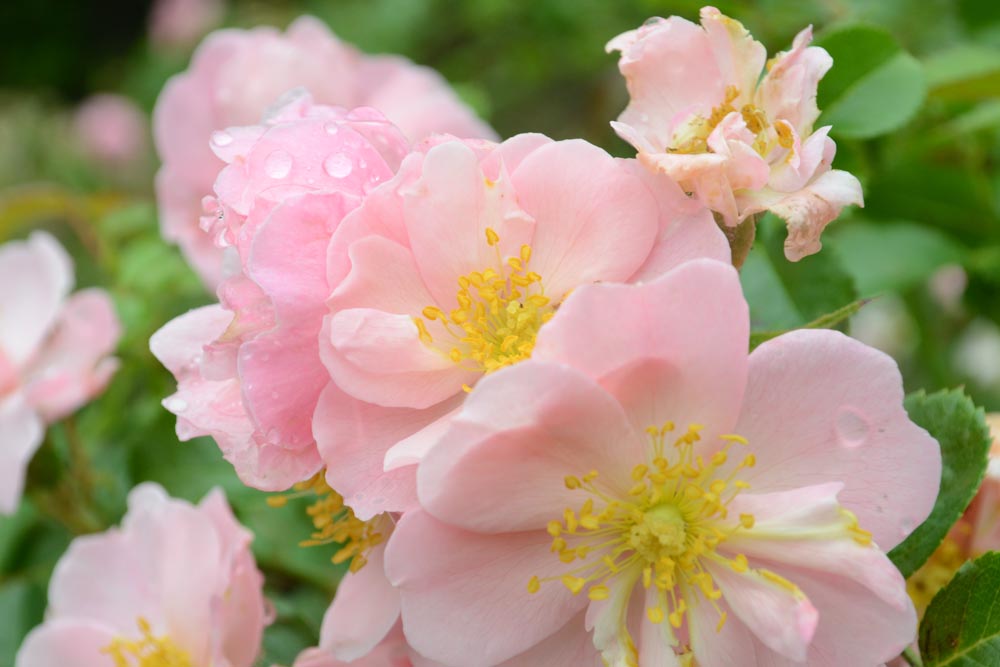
176 583
642 483
54 350
248 369
180 23
236 75
448 272
111 129
701 113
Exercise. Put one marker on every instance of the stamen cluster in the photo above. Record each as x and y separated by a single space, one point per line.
675 516
147 651
335 523
500 311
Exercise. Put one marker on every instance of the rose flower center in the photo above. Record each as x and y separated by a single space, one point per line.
147 651
500 311
673 519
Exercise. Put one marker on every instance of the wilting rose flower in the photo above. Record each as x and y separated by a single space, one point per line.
111 129
448 272
236 75
701 113
689 501
54 350
977 532
248 369
175 585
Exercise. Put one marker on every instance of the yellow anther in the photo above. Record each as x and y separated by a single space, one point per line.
655 614
574 584
534 585
147 651
739 563
747 521
572 482
722 622
749 461
492 238
598 593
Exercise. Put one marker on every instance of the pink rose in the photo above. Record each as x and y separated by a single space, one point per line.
54 350
176 581
448 272
179 23
248 369
236 75
644 487
701 113
111 129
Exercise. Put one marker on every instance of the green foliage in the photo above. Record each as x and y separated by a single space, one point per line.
962 625
875 87
893 256
958 426
786 295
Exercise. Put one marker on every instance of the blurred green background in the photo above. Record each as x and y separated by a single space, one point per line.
915 101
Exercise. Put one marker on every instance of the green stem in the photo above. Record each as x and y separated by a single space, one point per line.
911 657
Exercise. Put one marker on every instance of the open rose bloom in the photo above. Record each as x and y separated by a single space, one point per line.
642 492
54 351
234 78
701 113
448 273
175 586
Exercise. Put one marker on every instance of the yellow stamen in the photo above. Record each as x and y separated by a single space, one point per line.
334 523
147 651
500 311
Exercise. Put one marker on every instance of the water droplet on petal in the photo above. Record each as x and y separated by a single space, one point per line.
221 138
338 165
331 128
852 427
278 164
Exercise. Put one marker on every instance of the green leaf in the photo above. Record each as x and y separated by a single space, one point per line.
957 424
962 625
787 295
874 87
892 256
967 73
828 321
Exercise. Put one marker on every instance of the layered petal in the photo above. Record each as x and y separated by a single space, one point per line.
521 445
74 364
363 613
849 428
35 277
672 349
23 432
464 597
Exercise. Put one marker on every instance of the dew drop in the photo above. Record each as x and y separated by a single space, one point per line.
852 427
278 164
331 128
221 138
338 165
